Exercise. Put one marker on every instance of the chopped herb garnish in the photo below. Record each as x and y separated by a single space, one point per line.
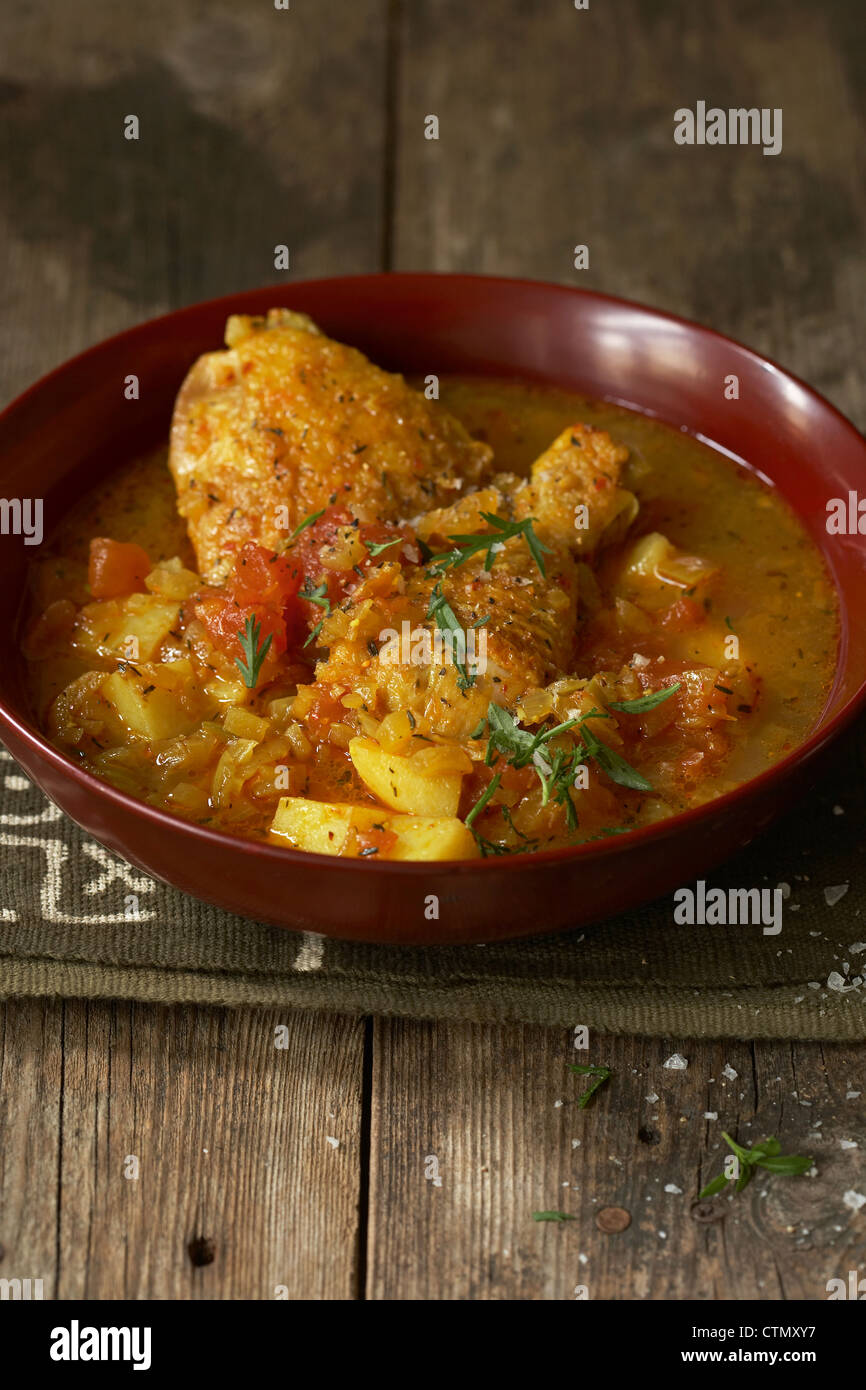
646 701
766 1155
307 521
616 767
319 596
254 653
601 1074
445 618
483 799
552 1216
490 542
376 547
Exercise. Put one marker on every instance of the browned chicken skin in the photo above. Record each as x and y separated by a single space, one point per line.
286 421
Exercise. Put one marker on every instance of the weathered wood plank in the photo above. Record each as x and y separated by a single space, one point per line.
556 128
497 1108
257 127
239 1190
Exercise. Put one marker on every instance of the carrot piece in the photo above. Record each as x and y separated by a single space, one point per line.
116 568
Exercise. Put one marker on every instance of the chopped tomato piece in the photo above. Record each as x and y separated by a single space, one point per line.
225 620
319 548
376 840
682 615
116 568
260 576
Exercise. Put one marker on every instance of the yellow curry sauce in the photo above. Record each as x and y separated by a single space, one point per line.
712 593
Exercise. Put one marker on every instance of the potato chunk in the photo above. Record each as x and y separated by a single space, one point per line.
147 710
419 785
324 828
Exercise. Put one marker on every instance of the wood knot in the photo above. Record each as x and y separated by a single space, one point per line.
202 1251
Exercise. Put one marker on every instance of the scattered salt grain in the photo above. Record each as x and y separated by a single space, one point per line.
854 1200
672 1187
334 1143
652 1098
848 1144
837 982
832 895
729 1072
711 1114
676 1063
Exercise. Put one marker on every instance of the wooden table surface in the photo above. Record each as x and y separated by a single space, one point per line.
305 127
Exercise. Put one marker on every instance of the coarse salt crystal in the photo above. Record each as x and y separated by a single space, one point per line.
833 894
676 1063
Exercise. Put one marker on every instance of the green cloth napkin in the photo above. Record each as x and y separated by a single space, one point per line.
77 921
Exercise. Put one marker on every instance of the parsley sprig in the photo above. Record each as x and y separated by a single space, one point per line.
490 543
254 652
766 1155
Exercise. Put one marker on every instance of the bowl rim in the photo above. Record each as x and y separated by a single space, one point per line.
268 852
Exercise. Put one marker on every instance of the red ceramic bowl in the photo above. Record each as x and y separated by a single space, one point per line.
75 425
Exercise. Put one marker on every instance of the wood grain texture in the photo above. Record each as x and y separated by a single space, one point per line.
556 128
307 128
497 1108
258 128
239 1191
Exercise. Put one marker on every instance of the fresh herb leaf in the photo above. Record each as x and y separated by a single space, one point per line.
516 744
490 542
616 767
376 547
483 799
254 652
319 596
646 701
767 1155
552 1216
307 521
601 1074
445 618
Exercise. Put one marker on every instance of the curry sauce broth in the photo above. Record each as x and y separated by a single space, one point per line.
771 588
774 589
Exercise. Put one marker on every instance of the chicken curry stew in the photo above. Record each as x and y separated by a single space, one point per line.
352 619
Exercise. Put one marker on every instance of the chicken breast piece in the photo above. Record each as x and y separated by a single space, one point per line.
286 420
